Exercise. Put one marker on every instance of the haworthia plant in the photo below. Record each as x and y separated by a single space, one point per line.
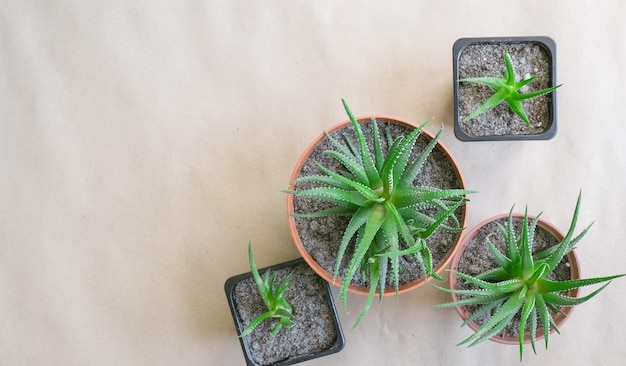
390 216
273 298
520 284
506 90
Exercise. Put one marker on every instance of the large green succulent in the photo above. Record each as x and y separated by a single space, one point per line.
390 217
520 284
506 90
273 298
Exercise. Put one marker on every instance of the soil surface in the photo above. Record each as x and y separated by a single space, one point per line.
322 236
477 258
487 60
314 330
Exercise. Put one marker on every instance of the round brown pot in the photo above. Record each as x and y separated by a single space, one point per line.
574 271
328 276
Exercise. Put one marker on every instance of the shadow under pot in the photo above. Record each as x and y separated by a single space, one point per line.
474 257
316 333
484 57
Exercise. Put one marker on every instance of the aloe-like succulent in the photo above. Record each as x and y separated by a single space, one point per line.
390 217
273 297
520 284
507 90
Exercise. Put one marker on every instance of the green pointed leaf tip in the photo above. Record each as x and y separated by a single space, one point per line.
520 284
390 216
506 90
273 295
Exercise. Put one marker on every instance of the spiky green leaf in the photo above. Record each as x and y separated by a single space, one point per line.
373 224
373 177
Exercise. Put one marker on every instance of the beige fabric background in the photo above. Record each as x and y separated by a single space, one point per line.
144 143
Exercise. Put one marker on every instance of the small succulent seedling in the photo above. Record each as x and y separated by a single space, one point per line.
507 90
273 297
520 284
390 217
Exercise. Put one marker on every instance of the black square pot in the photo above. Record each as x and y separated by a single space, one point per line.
314 310
536 56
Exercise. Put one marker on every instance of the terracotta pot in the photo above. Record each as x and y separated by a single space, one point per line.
491 53
315 311
294 229
549 228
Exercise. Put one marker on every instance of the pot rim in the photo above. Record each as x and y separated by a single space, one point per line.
574 273
361 290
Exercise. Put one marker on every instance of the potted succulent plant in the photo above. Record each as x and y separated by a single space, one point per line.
504 88
285 317
516 278
361 214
